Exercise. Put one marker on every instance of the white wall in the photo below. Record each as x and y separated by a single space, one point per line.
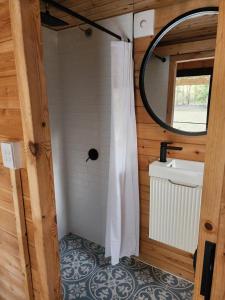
156 85
54 89
80 106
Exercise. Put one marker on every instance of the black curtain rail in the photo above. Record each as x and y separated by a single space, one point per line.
163 59
82 18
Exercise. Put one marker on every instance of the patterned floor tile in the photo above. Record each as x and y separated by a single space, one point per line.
87 274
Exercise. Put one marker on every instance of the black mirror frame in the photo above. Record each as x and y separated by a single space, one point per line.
148 54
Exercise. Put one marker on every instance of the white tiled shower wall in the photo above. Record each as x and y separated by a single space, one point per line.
78 80
54 89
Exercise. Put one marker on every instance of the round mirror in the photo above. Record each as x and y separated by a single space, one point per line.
177 70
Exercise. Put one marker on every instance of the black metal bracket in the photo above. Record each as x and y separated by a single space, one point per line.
163 59
82 18
207 272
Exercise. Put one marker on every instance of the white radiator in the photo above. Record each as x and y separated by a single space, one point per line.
174 214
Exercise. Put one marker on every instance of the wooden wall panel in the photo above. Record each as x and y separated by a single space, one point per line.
5 28
37 180
14 130
12 280
150 135
21 230
7 65
11 285
13 270
20 272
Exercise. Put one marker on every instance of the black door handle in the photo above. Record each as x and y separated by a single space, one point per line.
207 272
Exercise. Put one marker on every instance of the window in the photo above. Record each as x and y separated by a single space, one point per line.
192 99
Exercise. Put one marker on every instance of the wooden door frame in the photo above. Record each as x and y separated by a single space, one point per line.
212 222
26 32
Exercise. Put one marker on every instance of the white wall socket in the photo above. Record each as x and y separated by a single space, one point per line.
12 155
144 23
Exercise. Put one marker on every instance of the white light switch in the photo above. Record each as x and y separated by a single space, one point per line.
12 155
144 23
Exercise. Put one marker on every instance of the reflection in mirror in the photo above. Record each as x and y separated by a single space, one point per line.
178 71
191 99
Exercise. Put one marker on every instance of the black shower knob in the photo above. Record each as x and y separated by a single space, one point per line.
92 154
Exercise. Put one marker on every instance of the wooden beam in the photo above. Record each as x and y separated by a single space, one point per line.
25 23
212 224
171 91
21 231
188 47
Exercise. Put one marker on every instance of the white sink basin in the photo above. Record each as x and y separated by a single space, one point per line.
179 171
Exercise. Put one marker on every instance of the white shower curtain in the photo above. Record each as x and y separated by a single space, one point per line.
122 223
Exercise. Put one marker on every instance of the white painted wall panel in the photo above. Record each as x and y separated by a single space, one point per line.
79 96
54 90
85 77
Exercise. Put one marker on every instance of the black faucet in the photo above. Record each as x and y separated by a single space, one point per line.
163 150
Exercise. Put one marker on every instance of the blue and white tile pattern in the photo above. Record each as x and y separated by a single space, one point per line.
87 274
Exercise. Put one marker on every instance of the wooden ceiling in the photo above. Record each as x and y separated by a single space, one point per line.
101 9
194 29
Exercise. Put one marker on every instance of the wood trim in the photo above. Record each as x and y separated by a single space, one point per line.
21 231
197 58
213 198
194 56
171 91
186 48
25 23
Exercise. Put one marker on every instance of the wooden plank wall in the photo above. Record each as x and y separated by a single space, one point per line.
37 179
12 277
14 271
150 135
